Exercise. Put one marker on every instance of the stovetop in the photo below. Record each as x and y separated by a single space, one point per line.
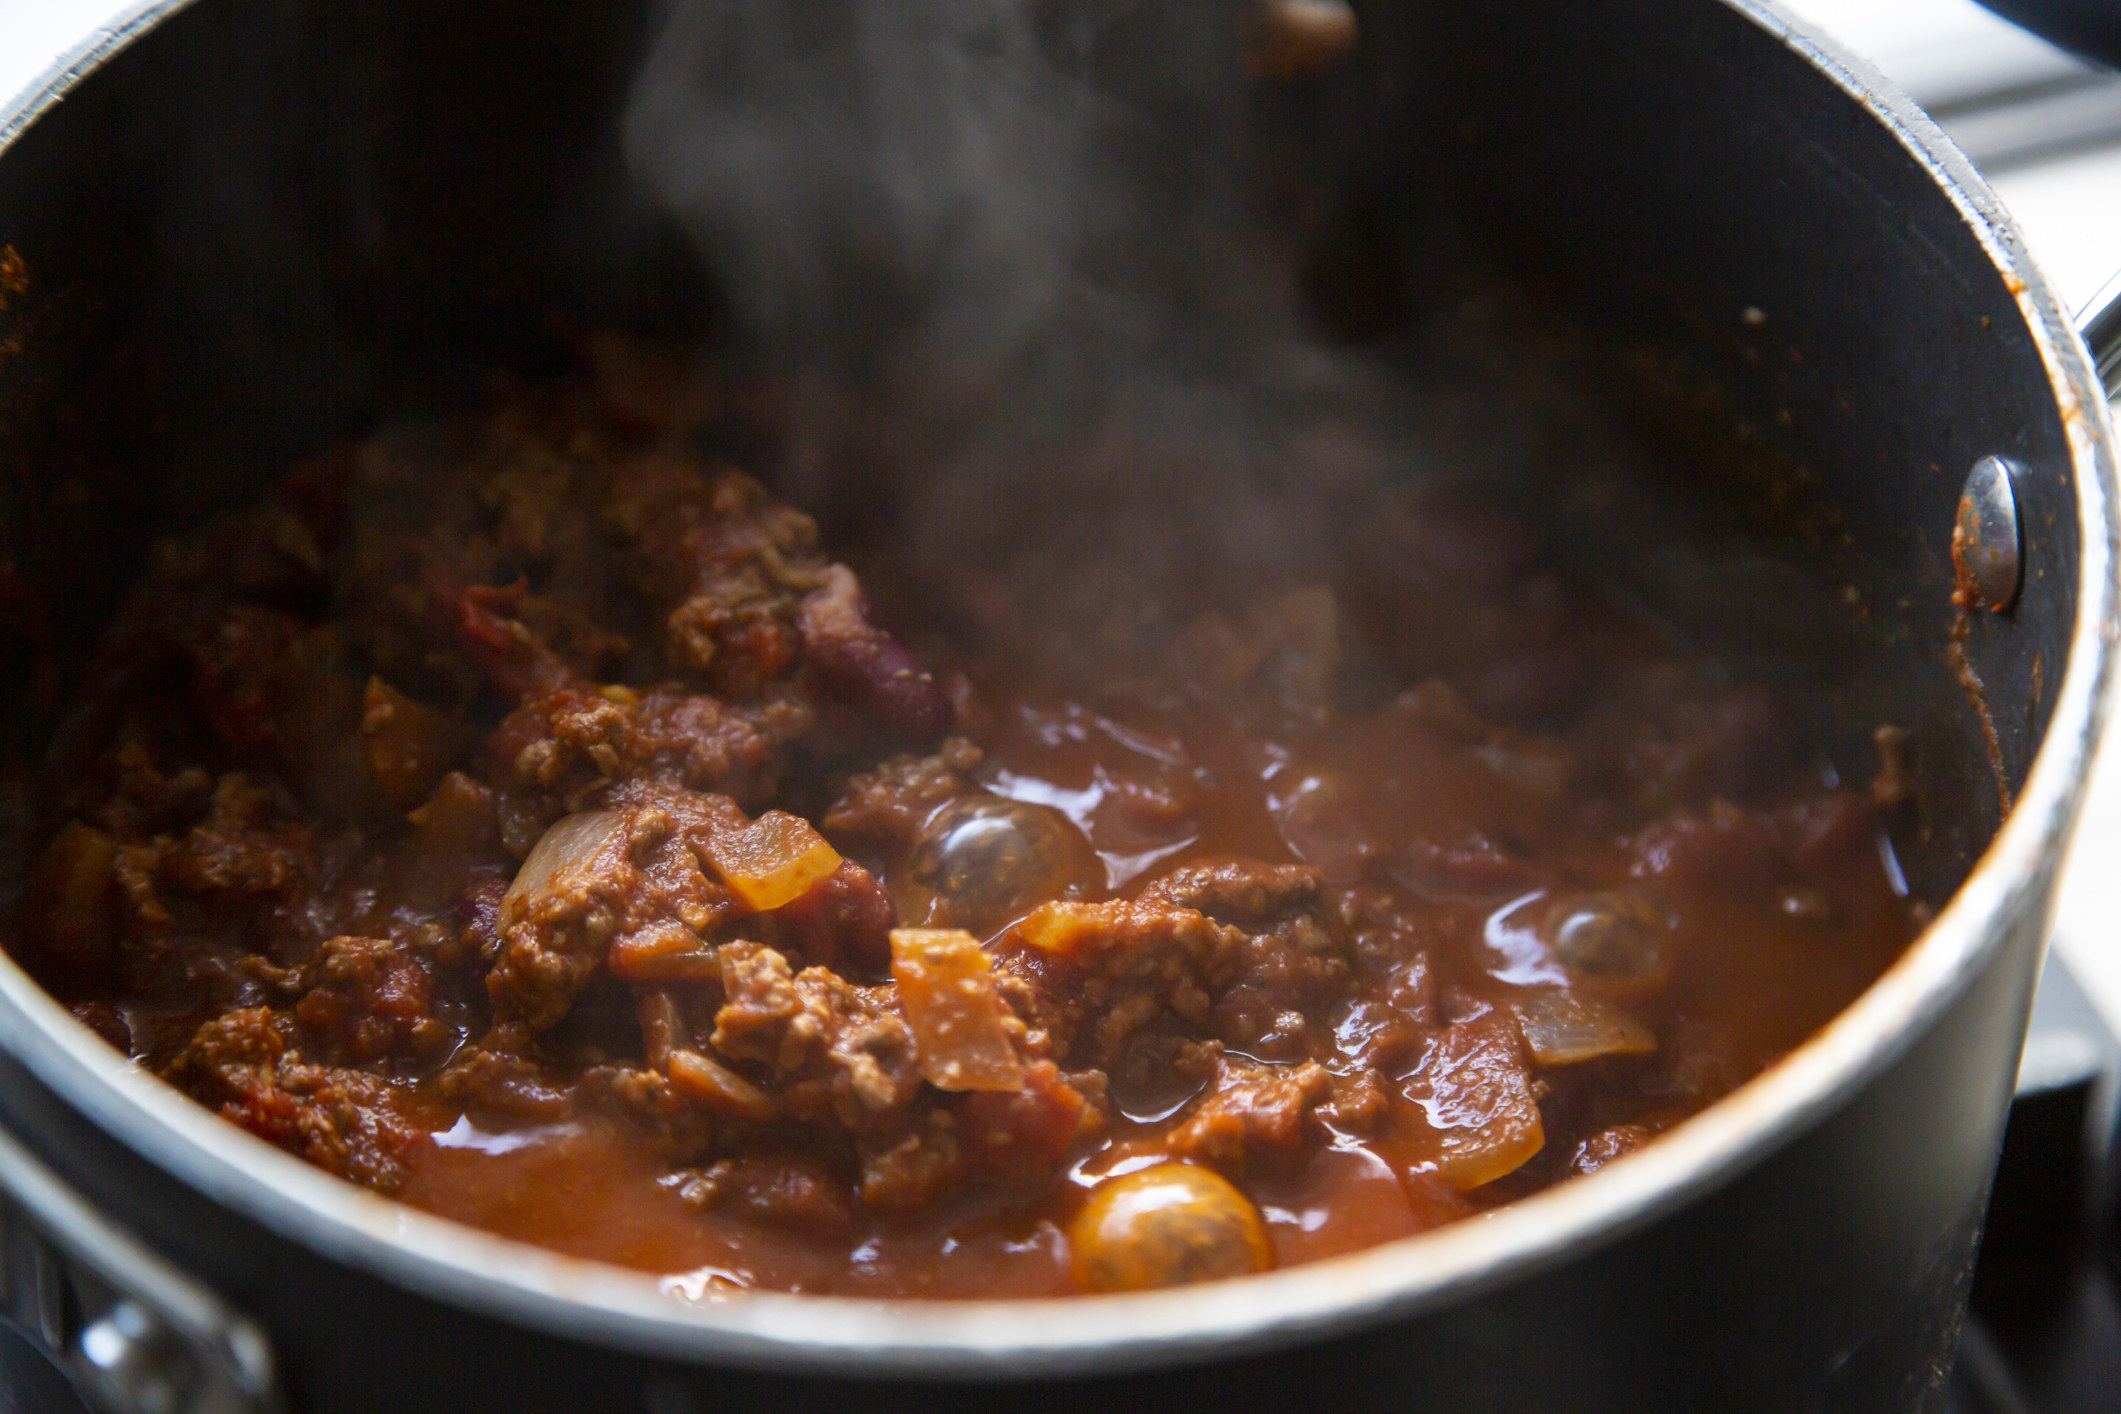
2044 1332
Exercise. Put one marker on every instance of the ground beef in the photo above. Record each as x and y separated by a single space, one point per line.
597 879
446 819
367 998
832 1046
343 1121
1235 949
794 1192
1251 1108
886 807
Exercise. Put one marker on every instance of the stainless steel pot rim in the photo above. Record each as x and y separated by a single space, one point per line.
582 1299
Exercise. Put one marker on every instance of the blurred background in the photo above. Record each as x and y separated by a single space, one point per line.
2043 127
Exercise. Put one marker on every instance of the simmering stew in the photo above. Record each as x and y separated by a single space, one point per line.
528 817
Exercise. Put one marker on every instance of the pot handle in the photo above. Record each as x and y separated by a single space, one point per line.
136 1335
2091 28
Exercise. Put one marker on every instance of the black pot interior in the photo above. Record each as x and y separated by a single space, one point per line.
269 225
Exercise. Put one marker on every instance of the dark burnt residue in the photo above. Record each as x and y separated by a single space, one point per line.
1977 697
1894 785
1966 588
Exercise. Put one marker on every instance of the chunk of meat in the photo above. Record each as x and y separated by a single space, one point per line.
236 875
343 1121
834 1048
367 998
887 807
1098 972
1026 1132
1265 980
501 1084
786 1190
731 563
145 799
1607 1145
1295 963
913 1167
406 744
593 878
753 599
1250 1108
560 913
844 922
564 749
515 658
272 687
244 846
676 1128
626 886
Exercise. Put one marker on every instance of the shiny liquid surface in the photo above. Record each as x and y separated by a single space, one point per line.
423 824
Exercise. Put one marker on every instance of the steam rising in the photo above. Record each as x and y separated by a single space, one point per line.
1010 251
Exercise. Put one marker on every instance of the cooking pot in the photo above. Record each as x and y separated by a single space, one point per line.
238 229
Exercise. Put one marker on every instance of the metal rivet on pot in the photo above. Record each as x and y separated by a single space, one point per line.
1986 543
134 1362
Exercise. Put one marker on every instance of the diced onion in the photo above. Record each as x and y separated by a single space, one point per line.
1474 1091
564 859
663 952
1562 1027
1083 932
959 1021
771 862
717 1086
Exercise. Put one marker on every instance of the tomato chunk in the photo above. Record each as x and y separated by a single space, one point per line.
774 860
960 1023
